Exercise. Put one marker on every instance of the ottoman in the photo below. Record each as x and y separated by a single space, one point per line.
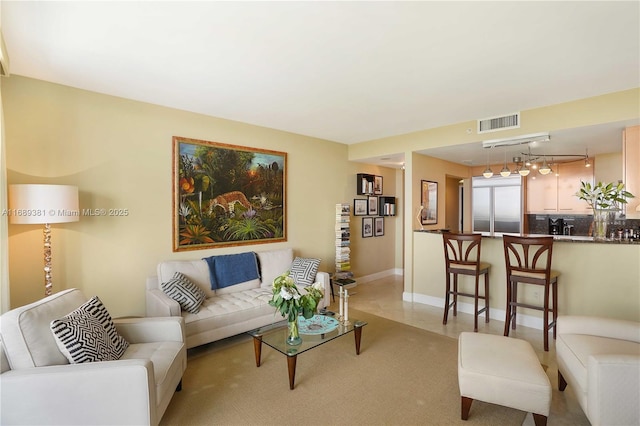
502 370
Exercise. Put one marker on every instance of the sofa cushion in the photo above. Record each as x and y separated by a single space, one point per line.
274 263
196 270
88 334
26 336
186 293
303 271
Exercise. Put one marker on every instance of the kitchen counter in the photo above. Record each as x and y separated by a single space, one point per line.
599 278
563 238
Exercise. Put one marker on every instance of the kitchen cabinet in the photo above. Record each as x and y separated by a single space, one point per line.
542 193
570 176
631 167
551 194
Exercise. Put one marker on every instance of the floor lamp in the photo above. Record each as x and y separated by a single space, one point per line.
44 204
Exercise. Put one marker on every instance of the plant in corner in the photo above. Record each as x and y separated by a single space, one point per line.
604 200
286 298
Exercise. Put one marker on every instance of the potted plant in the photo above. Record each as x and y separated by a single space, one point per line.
288 301
604 200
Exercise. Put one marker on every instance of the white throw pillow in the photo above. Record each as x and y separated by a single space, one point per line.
88 334
273 263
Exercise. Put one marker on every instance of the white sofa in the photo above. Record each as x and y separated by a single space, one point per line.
40 387
228 311
599 358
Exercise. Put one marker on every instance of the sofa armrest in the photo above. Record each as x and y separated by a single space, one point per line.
161 305
153 329
604 327
613 389
113 392
323 277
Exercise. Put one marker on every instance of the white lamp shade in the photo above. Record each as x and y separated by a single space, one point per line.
38 204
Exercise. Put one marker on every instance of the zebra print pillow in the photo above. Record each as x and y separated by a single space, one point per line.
88 334
186 293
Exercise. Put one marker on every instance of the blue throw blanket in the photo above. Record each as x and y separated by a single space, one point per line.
227 270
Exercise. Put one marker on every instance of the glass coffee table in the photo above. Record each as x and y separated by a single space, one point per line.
275 335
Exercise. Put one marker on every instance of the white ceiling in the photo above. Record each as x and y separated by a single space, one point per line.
342 71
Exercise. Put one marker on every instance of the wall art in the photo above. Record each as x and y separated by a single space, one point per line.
429 202
227 195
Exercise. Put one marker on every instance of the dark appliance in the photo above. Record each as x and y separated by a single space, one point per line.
556 226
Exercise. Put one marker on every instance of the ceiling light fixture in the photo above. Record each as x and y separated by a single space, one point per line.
505 172
487 172
522 169
544 169
587 162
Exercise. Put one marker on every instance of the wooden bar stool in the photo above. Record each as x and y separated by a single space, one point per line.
462 257
528 260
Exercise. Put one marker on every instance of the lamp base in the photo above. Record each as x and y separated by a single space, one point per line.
48 285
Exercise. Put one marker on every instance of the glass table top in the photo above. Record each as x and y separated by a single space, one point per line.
275 336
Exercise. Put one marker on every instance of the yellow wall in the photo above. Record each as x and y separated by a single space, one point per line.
119 153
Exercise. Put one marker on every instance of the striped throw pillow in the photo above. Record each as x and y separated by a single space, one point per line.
303 271
88 334
185 292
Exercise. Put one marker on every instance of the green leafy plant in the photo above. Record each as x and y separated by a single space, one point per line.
603 196
288 300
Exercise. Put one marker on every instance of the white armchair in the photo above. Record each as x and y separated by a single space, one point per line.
599 358
39 386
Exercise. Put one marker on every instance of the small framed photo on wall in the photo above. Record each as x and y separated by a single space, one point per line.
372 209
378 226
429 202
377 185
359 207
367 227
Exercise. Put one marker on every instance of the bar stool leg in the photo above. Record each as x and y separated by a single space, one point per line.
475 305
507 319
555 307
486 297
455 295
545 318
514 299
446 299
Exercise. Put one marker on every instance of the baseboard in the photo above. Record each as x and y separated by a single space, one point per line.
494 313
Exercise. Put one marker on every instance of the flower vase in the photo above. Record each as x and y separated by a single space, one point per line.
600 221
293 335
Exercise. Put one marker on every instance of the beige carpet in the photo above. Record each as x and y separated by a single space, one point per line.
403 376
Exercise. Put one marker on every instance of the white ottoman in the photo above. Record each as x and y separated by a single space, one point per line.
504 371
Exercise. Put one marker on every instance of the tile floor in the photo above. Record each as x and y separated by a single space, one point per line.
383 297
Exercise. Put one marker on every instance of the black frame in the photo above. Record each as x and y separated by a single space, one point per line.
367 227
364 203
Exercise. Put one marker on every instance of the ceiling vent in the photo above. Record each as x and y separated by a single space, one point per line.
494 124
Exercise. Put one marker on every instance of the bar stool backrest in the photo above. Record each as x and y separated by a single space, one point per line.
528 259
462 252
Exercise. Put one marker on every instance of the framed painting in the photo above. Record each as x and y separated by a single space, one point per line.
227 195
372 206
429 202
359 207
377 185
378 226
367 227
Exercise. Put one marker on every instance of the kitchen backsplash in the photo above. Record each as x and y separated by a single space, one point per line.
580 224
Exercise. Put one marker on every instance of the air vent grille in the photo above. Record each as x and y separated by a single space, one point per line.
494 124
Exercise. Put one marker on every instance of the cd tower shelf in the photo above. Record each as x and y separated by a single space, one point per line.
343 242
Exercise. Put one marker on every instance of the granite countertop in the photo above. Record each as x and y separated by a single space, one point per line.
562 238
